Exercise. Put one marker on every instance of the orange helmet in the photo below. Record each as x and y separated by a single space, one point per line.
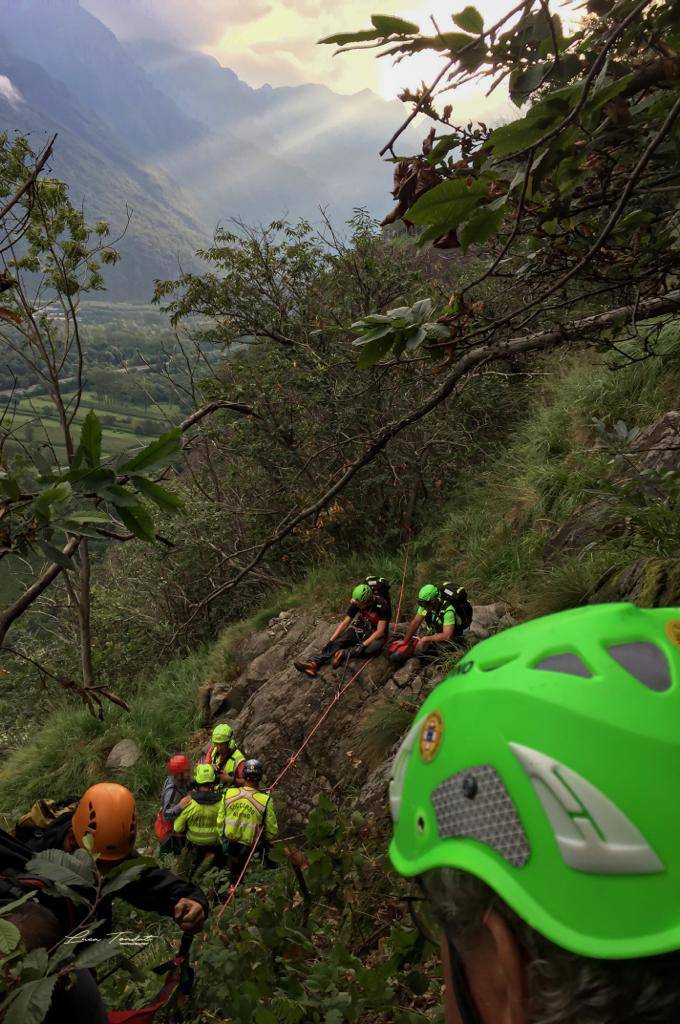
107 811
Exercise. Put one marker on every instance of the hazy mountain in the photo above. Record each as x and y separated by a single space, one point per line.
179 138
336 138
102 177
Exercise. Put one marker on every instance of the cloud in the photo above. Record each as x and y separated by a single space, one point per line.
194 24
9 92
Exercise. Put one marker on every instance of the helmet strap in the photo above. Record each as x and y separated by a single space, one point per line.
467 1008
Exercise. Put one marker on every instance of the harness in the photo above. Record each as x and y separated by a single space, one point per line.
247 795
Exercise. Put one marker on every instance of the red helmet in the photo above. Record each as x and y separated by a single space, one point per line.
178 763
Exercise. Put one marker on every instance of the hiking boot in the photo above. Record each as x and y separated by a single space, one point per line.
309 668
338 658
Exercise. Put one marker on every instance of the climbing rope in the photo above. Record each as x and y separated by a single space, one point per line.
310 735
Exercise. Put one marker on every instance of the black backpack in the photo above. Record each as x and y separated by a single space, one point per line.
457 596
379 586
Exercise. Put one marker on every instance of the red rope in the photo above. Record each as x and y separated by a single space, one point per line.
315 728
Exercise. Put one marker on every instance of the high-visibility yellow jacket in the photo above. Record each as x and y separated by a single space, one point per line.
222 763
242 810
199 820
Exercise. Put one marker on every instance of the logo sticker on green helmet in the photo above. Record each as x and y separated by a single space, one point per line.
431 736
673 631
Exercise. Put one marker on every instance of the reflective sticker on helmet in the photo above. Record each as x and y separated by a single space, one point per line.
431 736
593 834
399 767
673 631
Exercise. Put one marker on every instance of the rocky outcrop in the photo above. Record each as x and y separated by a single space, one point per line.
656 449
123 756
648 582
272 708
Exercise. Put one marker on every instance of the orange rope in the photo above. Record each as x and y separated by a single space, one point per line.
317 725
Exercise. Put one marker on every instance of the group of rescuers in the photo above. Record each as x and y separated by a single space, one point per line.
535 803
442 616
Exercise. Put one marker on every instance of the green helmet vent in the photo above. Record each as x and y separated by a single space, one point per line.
646 662
475 804
571 664
593 835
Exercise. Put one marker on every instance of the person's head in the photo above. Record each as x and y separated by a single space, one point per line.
204 776
362 594
223 738
179 766
252 772
536 800
107 814
428 595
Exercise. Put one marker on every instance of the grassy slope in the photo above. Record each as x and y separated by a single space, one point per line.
492 539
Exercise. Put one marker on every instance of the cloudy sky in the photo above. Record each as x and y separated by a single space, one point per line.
274 41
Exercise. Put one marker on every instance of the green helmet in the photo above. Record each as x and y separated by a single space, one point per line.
428 593
204 774
222 733
362 593
548 764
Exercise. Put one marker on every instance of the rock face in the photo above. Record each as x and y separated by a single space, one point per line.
648 582
123 756
272 707
656 449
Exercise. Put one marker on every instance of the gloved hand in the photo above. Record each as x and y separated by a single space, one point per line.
356 651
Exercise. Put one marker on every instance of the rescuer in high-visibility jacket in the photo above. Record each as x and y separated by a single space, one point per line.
199 819
246 816
223 754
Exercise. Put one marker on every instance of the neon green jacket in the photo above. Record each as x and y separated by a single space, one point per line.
241 812
199 820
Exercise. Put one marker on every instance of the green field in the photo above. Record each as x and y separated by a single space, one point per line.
35 420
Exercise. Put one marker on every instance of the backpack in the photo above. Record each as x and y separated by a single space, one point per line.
379 586
42 814
457 596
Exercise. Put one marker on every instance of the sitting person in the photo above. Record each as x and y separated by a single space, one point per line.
223 754
199 820
361 634
440 620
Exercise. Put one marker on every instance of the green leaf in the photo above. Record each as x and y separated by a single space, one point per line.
30 1003
375 350
56 555
158 452
10 937
264 1016
159 495
343 38
7 908
34 964
11 487
126 873
470 20
51 496
608 92
86 517
91 439
448 203
387 25
75 869
116 494
482 226
524 81
510 138
95 953
417 982
138 521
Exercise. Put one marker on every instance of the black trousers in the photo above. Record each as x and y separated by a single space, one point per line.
351 638
237 854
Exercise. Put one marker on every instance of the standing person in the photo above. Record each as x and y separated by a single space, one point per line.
198 819
223 753
244 810
536 801
361 634
439 621
174 798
